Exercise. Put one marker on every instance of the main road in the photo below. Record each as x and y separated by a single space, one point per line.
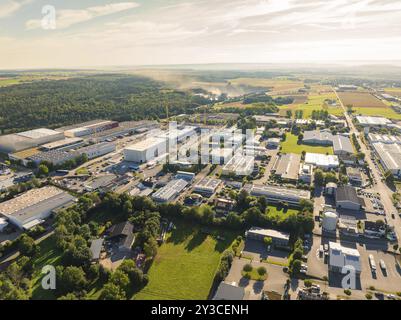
378 185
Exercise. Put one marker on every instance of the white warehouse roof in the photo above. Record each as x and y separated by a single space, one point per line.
322 160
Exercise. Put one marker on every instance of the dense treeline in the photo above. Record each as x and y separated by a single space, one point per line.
117 97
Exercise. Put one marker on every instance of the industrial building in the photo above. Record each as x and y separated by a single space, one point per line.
340 257
239 165
221 155
389 156
280 239
273 142
55 157
97 150
207 186
28 139
287 167
62 144
178 135
146 150
383 138
305 172
34 206
366 121
322 161
280 194
342 145
88 128
318 137
355 176
170 191
348 225
347 198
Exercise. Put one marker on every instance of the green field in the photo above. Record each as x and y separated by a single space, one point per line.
290 145
315 102
185 265
383 112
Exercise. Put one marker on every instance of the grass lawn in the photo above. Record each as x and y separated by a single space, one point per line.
290 145
185 264
49 255
254 275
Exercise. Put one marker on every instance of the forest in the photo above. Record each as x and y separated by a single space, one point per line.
110 96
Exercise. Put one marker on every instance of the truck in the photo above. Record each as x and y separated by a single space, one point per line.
372 263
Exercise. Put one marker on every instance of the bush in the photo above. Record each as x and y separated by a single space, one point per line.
262 271
308 283
347 292
368 296
248 267
372 288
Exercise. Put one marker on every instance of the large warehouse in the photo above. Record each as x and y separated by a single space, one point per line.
319 137
287 167
322 161
277 194
347 198
367 121
34 206
87 128
145 150
390 156
28 139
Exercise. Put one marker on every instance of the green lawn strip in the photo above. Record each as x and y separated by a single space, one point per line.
254 275
291 145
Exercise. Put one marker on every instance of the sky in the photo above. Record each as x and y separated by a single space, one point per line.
94 33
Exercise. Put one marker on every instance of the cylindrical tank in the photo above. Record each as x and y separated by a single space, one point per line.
329 221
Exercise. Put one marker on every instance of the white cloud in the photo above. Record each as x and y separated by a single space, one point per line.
67 17
9 7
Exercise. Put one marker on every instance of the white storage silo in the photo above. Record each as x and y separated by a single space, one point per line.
329 221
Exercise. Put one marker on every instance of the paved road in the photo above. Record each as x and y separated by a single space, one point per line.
378 186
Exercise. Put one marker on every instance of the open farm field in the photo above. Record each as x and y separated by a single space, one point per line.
360 100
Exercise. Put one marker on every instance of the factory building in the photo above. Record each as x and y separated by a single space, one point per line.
97 150
34 206
207 186
355 176
305 173
55 157
366 121
279 194
342 145
279 239
28 139
239 165
318 137
62 144
287 167
170 191
340 256
383 138
221 155
88 128
146 150
347 198
389 156
322 161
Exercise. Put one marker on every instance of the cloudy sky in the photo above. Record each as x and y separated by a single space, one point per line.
150 32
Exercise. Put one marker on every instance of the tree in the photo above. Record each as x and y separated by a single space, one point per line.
261 271
27 246
298 253
150 247
247 267
70 279
296 266
120 279
319 177
268 241
112 292
308 283
43 170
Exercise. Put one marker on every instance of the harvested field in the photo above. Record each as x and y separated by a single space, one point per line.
276 86
360 100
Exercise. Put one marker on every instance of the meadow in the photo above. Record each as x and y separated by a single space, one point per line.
185 264
291 145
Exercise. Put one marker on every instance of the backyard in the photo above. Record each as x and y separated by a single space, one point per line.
291 145
185 264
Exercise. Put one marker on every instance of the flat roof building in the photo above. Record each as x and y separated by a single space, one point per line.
28 139
305 172
280 239
69 142
287 166
389 156
170 191
342 145
319 137
34 206
98 149
347 198
239 165
383 138
340 257
323 161
279 194
367 121
207 186
146 150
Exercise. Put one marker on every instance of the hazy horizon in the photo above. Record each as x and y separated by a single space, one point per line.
121 33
